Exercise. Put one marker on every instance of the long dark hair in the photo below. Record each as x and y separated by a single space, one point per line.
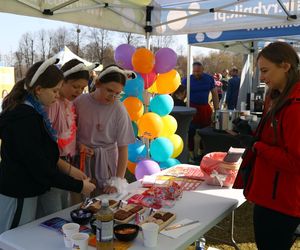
278 53
112 76
83 74
49 79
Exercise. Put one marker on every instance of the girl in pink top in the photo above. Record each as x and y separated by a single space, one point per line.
105 130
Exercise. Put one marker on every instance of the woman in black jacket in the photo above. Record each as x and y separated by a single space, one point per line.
29 148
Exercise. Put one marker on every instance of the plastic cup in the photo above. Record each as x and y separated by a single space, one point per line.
80 241
150 234
68 230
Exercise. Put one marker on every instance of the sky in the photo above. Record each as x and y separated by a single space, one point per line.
14 26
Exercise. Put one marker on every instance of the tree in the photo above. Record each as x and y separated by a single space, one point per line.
181 66
161 42
133 39
77 41
26 47
19 61
216 62
100 40
42 35
60 39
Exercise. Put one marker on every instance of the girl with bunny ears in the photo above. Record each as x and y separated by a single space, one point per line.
105 131
63 118
29 148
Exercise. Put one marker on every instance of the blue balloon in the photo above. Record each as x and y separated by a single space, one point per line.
161 149
162 104
169 163
135 128
137 151
134 87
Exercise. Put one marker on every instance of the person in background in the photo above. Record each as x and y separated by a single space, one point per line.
29 148
179 96
273 184
233 89
218 84
106 130
63 118
201 84
224 80
225 75
4 93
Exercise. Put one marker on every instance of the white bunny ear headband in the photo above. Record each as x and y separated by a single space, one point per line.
81 67
41 70
129 74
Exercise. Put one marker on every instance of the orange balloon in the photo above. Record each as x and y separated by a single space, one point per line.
150 125
143 60
168 82
131 166
134 106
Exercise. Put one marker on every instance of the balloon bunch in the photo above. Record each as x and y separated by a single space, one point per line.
155 76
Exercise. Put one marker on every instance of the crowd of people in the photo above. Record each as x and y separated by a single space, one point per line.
58 142
208 93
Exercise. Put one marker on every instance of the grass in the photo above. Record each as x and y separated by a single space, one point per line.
243 231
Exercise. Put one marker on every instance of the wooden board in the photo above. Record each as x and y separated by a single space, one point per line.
162 224
131 217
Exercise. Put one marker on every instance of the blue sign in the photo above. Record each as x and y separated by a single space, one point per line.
243 34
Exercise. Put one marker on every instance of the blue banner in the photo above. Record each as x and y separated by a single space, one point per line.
243 34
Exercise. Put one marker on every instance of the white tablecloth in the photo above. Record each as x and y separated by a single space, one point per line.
208 204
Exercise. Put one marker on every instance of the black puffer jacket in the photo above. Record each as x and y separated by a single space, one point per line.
29 156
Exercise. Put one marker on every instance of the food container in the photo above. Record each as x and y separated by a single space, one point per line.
81 216
126 232
218 172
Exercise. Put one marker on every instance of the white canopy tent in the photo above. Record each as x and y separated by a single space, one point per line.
66 55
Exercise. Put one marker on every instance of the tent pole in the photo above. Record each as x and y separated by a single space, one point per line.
188 73
146 94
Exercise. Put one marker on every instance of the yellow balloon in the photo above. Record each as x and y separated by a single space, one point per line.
177 144
143 60
150 125
152 89
169 125
134 106
168 82
131 166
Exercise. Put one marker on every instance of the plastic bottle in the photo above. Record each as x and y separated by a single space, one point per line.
200 244
104 227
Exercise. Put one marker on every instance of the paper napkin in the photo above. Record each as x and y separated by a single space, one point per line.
175 233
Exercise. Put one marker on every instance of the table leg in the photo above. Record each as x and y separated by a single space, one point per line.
231 232
232 240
